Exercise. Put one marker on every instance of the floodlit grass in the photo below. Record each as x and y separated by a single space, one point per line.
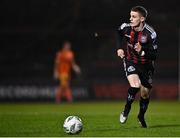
99 119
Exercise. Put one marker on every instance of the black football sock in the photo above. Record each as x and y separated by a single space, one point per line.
143 106
131 96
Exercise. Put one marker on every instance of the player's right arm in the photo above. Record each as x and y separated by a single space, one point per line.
121 29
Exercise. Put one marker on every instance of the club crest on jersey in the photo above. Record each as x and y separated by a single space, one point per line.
143 39
131 69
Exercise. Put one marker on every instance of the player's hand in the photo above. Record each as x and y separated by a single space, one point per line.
120 53
138 47
77 69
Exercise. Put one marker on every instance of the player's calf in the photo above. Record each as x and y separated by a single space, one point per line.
131 96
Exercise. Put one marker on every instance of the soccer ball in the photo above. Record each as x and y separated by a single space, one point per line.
72 125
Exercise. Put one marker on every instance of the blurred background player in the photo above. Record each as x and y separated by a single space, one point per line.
64 62
141 48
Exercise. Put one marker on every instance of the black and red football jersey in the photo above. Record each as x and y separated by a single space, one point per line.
128 38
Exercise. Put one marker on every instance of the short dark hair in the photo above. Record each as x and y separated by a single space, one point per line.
141 10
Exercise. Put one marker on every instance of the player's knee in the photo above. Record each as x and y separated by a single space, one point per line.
135 84
145 95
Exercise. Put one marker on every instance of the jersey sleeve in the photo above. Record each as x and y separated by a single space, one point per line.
151 50
120 35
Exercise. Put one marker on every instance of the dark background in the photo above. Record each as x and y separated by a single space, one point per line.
32 31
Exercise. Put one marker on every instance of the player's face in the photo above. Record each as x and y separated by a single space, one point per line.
135 19
67 46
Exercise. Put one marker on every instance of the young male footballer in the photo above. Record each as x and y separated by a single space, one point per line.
137 47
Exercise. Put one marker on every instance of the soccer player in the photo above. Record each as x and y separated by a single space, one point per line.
64 62
138 48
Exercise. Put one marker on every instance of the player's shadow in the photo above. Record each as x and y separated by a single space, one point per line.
161 126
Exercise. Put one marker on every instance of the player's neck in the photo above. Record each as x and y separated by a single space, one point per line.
139 27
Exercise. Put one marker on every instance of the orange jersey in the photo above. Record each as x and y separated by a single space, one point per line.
64 61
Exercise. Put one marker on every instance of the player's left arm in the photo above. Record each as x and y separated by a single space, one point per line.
76 67
151 50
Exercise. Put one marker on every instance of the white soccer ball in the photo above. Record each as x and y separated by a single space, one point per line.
72 125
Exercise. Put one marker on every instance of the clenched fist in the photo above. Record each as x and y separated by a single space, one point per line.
120 53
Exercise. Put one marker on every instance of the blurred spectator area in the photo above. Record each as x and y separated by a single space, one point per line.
33 30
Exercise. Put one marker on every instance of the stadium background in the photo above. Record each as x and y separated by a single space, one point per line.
33 30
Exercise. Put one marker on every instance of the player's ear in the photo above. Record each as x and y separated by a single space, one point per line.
142 19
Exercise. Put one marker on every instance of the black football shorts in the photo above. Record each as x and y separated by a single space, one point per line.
144 71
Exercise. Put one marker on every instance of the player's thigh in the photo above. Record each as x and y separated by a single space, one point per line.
64 80
132 74
134 80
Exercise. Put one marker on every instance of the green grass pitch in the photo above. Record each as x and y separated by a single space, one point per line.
99 119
